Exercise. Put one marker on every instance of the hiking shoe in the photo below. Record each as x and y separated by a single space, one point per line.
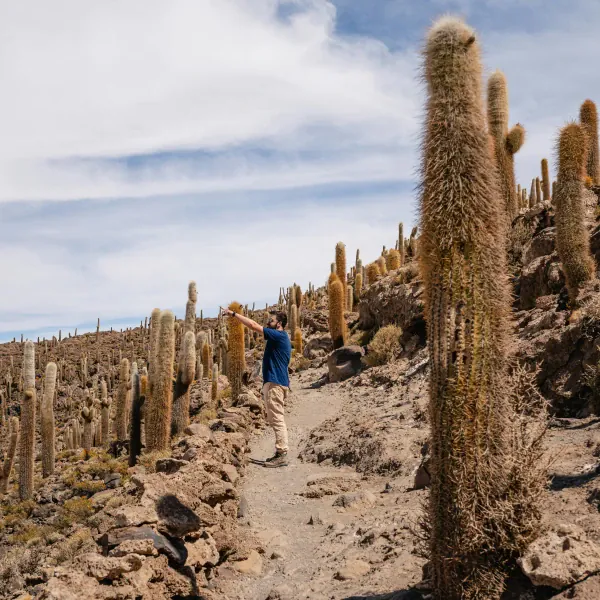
280 459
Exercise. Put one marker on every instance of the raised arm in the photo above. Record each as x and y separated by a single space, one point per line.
249 323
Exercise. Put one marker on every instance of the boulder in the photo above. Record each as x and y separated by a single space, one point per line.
353 569
542 244
344 363
143 547
202 552
355 500
169 465
251 566
176 518
561 557
541 277
318 347
106 567
132 515
198 429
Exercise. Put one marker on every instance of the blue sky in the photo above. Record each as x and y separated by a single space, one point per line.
234 142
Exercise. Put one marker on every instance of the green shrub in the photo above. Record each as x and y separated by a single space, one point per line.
385 346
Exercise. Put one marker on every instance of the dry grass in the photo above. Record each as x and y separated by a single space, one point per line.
384 346
148 460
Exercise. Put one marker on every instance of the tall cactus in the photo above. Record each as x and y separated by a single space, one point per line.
47 420
358 283
337 324
190 308
186 371
589 120
538 190
137 401
88 414
506 143
298 336
380 262
9 459
27 439
340 267
123 403
401 243
105 403
394 260
572 237
545 180
158 415
236 356
214 388
373 273
293 320
473 512
533 195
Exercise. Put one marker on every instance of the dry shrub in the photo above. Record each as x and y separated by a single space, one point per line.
81 541
148 460
385 346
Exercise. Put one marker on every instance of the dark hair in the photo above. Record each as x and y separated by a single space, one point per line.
281 317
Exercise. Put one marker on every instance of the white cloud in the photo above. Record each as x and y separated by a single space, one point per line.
99 79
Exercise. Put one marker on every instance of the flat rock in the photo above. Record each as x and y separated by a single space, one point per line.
143 547
132 515
229 473
106 567
251 566
561 557
353 569
202 552
356 499
99 499
198 429
169 465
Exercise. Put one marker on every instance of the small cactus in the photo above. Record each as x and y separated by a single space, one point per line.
381 264
47 420
393 261
158 415
545 180
123 400
572 237
298 338
9 459
589 120
27 439
337 324
236 358
186 371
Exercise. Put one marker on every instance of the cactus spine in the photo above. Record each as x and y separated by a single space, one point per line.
572 238
27 439
123 402
506 143
9 459
337 324
545 180
47 420
158 415
137 401
340 267
236 358
186 371
589 120
472 517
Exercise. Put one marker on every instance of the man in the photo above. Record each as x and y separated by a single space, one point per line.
276 381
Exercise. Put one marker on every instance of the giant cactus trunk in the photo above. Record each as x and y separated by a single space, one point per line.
589 120
186 371
135 432
27 441
123 402
473 520
572 237
9 459
236 357
158 414
47 421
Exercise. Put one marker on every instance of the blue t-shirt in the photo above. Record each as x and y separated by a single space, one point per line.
277 357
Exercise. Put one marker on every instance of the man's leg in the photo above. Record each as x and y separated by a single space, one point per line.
275 399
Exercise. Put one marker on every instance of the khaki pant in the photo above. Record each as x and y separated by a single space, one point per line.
274 396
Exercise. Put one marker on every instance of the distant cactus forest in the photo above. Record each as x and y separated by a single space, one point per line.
87 421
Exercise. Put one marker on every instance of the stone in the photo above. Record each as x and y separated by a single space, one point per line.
70 586
242 508
251 566
176 518
542 244
169 465
561 557
107 567
202 552
353 569
112 480
190 454
163 545
315 519
217 493
282 592
344 363
318 347
130 515
422 477
142 547
229 473
99 499
198 429
355 500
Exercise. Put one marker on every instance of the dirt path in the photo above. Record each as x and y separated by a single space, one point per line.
313 548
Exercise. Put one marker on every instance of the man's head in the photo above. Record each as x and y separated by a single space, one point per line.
277 320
